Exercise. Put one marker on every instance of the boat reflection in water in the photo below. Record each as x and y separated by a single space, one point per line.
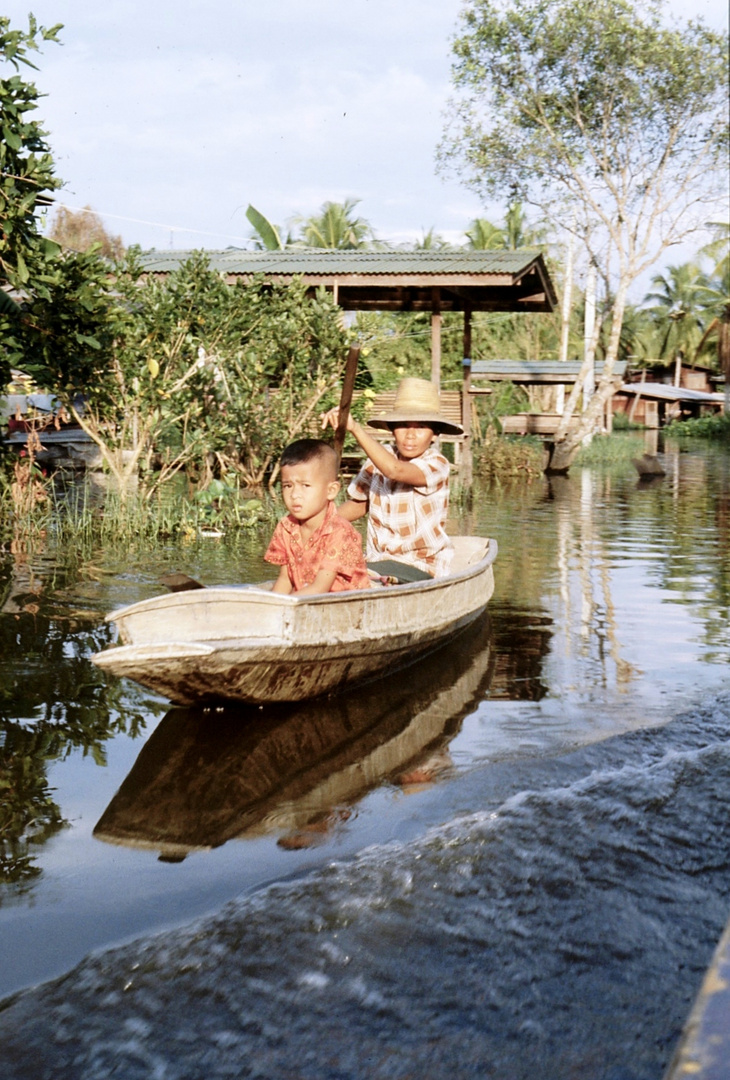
206 776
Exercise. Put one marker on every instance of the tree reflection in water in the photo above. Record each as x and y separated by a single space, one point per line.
52 701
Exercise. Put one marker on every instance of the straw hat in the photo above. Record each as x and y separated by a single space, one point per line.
417 399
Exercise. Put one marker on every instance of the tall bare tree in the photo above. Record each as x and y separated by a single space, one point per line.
82 230
611 123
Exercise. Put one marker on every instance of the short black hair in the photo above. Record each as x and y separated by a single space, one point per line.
306 449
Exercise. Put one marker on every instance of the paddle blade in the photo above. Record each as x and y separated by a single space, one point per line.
179 582
348 385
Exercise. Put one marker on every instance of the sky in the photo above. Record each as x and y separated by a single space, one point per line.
168 117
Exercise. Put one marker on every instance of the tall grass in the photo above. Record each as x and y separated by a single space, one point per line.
508 457
618 449
80 514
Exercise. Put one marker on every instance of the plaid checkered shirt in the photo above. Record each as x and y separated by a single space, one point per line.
406 522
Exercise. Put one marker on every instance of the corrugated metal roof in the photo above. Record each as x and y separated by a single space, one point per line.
521 368
321 261
665 392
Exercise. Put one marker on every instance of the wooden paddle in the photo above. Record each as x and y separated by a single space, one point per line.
348 385
176 582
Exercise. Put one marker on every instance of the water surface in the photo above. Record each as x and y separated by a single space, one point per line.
516 854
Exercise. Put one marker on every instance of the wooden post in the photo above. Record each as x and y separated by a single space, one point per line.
637 395
466 464
436 336
467 333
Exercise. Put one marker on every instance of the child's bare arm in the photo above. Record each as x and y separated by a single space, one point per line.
353 509
403 472
282 583
323 582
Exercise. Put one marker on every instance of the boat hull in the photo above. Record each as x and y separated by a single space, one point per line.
281 768
249 644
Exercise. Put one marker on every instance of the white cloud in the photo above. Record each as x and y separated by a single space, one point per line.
181 112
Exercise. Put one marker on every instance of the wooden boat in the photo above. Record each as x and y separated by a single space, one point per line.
246 643
294 769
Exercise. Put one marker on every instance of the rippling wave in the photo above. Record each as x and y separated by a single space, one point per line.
560 931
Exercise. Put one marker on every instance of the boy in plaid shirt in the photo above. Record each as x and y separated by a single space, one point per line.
404 487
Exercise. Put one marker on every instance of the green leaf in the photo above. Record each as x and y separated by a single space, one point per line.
8 305
86 339
268 233
12 138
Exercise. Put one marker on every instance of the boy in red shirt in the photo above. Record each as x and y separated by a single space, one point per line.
317 549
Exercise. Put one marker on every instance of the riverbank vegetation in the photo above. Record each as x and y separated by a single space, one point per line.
703 427
186 379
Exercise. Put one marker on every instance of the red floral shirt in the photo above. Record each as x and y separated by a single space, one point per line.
334 546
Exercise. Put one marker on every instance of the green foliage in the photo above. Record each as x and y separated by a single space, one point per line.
335 227
609 122
185 372
70 518
222 506
26 179
431 241
68 330
393 344
28 814
611 450
8 306
484 236
677 310
52 701
503 457
703 427
621 422
266 235
551 83
399 343
504 400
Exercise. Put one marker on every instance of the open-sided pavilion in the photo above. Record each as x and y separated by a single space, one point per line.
433 281
426 280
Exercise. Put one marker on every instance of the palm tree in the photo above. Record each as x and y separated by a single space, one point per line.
515 227
430 241
677 311
716 298
515 234
336 227
484 236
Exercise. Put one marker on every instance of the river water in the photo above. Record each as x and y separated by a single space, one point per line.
511 860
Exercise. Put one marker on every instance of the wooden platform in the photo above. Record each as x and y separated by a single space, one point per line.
534 423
